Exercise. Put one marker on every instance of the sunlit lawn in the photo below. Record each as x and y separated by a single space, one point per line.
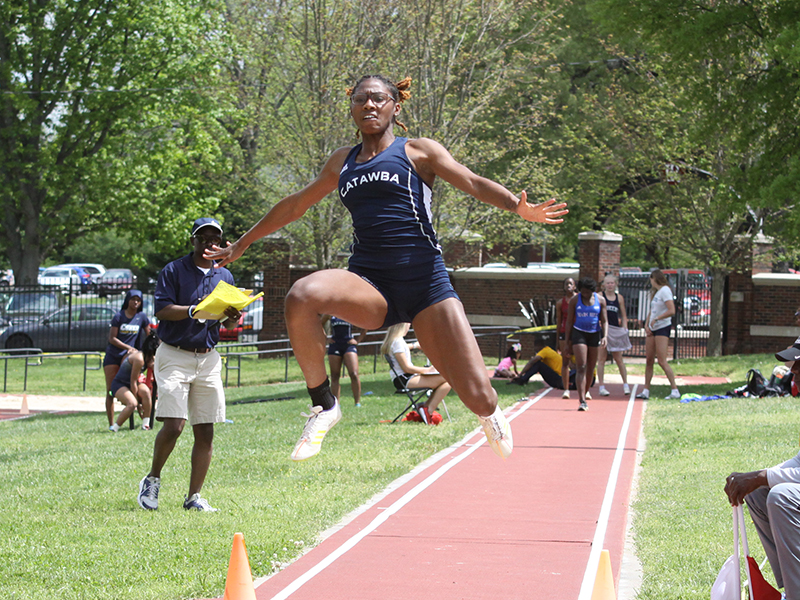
71 527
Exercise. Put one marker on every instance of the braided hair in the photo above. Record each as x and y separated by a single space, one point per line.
398 91
149 346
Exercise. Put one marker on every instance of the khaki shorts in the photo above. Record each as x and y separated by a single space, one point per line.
189 386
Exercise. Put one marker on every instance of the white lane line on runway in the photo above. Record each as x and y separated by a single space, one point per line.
396 506
605 510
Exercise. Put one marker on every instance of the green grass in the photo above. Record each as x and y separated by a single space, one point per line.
734 367
64 376
682 519
71 528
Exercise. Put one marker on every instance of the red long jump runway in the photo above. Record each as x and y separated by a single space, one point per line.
467 525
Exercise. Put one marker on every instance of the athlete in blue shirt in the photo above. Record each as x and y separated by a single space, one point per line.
587 329
396 273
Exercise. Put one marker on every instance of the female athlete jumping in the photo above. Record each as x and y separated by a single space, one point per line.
396 272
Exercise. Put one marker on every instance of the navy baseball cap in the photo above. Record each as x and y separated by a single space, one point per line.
791 353
206 222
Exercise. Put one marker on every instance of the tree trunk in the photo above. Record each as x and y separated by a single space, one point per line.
718 276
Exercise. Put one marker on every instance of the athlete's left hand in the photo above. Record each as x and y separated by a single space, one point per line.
547 212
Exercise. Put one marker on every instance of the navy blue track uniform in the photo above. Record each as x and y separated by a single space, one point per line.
394 244
342 333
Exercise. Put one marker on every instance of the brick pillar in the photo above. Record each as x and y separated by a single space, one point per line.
277 281
743 303
762 254
598 254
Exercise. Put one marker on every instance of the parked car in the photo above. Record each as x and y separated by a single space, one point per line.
65 278
253 316
692 290
94 269
115 281
24 303
6 277
75 328
231 335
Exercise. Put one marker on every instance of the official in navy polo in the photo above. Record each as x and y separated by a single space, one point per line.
188 368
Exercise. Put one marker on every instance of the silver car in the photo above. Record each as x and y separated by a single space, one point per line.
75 328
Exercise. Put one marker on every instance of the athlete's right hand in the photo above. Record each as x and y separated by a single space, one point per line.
223 256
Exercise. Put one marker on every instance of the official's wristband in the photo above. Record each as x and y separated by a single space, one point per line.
191 310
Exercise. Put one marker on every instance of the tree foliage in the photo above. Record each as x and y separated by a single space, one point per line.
737 64
76 79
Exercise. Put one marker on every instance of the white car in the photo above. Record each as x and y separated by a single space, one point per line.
253 316
61 277
94 269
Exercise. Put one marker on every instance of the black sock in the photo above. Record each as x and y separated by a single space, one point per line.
322 395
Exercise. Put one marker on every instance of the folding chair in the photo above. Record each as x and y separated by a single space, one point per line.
416 396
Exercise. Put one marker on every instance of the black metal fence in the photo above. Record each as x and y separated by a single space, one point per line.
692 296
68 318
59 318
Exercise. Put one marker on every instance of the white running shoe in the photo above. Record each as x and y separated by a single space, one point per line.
588 395
604 391
673 395
148 492
498 433
644 394
626 389
565 395
318 425
196 502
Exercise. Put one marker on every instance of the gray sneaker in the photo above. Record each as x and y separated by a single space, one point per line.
195 502
148 492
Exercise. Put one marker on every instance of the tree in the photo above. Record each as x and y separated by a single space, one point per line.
738 64
475 93
75 78
466 60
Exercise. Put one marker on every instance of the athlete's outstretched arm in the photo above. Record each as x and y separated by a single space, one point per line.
289 209
432 159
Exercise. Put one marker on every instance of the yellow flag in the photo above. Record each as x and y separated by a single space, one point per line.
224 295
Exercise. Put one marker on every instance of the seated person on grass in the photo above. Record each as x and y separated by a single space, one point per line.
773 497
547 363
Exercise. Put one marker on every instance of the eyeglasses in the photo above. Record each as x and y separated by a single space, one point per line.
216 240
378 98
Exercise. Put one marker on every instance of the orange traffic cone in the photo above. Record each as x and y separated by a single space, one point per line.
239 583
604 581
23 410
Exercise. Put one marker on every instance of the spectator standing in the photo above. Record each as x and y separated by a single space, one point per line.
562 310
343 349
618 339
657 328
188 368
128 328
